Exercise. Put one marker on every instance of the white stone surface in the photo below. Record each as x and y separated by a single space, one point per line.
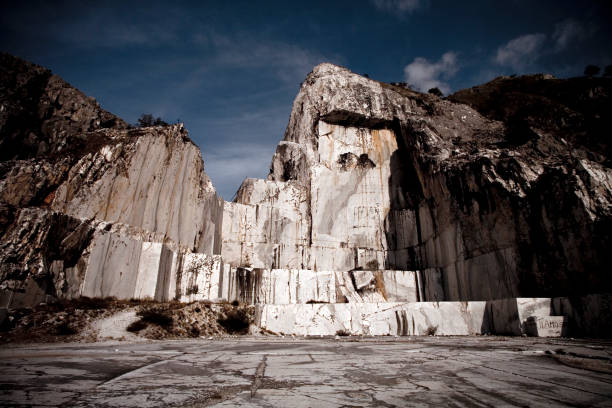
121 262
441 318
350 196
267 227
148 270
339 226
205 277
156 182
201 277
543 317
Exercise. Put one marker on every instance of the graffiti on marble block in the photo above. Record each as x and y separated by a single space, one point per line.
547 326
551 324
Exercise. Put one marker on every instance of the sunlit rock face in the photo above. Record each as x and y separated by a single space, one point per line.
336 222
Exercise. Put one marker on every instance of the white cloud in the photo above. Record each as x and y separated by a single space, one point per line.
568 32
82 25
401 6
425 75
245 50
521 51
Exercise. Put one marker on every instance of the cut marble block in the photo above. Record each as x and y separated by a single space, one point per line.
201 278
377 286
205 277
547 326
122 265
515 316
376 319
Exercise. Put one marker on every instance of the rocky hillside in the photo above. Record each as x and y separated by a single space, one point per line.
576 110
43 116
376 194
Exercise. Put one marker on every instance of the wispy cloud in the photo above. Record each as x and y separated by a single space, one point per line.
246 51
86 27
521 51
425 75
399 6
569 32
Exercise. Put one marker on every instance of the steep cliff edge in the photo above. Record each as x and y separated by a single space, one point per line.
513 203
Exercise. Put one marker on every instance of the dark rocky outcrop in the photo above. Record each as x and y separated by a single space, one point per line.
43 116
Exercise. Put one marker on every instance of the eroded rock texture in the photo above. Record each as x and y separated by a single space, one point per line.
88 205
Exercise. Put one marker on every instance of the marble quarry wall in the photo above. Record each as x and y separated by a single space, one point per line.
445 190
155 181
386 211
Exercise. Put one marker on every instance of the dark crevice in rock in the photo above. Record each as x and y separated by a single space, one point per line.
347 118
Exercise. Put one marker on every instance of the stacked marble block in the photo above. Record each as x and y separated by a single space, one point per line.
517 316
127 263
384 302
205 277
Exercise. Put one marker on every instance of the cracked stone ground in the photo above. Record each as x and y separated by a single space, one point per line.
264 372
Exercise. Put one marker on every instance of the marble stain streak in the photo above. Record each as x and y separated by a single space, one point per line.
259 374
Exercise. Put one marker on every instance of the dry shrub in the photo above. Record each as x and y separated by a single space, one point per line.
137 326
160 317
65 329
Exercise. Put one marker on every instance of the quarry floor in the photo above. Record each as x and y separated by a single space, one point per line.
328 372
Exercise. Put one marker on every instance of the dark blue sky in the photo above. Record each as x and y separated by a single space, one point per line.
230 69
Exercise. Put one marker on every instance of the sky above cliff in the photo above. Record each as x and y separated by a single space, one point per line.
230 70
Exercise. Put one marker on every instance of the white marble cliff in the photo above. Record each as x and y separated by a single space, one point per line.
386 211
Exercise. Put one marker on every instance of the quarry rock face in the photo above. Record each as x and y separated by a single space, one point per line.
386 211
400 180
103 209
